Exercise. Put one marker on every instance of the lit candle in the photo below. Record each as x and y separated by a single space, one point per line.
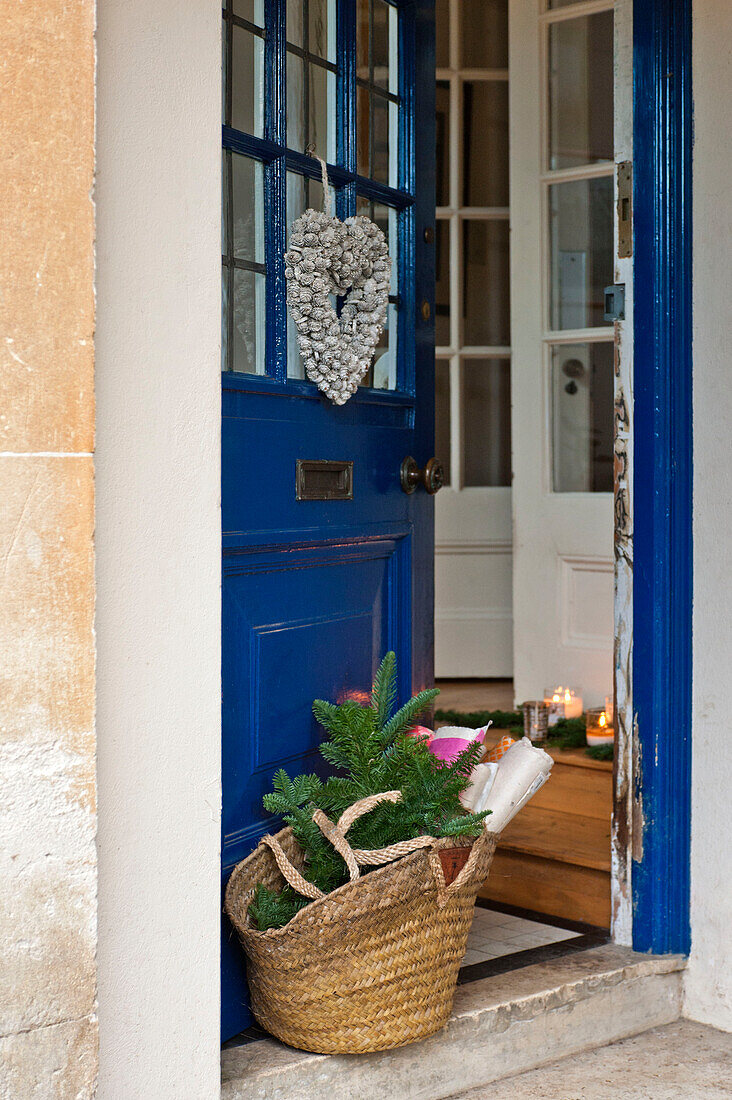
562 702
572 704
599 727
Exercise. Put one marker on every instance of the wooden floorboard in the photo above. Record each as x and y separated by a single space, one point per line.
565 838
546 886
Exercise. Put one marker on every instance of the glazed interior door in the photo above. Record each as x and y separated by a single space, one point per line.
325 567
473 591
562 203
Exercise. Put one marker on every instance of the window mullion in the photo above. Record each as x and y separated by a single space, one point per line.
346 148
275 192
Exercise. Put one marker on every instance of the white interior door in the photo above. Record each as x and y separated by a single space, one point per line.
473 585
562 204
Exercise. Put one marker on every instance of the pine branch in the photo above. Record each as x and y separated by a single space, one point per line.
406 718
384 693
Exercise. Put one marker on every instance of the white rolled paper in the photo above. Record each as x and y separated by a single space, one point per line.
521 771
475 797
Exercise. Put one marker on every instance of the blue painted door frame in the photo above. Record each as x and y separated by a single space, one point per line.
662 581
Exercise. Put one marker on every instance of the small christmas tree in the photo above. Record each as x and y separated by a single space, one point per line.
373 751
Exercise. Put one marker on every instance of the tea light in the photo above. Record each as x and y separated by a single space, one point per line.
599 727
563 702
536 715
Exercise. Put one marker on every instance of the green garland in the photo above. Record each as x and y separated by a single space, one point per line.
502 719
373 751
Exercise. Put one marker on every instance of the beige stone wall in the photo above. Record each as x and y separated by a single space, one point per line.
48 1044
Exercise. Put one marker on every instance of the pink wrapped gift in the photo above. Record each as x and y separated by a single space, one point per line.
448 742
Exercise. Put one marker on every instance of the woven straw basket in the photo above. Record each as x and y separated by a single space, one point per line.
374 964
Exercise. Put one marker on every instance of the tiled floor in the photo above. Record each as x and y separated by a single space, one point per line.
495 934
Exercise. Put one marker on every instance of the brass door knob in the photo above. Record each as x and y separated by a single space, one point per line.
432 477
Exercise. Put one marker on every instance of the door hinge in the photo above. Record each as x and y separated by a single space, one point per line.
625 209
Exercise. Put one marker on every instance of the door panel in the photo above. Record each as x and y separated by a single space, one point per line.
282 605
315 591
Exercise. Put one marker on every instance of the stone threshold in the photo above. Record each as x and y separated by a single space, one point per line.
500 1026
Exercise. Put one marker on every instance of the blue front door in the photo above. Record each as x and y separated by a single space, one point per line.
316 590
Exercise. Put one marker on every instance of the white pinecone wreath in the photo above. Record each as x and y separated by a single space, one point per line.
326 257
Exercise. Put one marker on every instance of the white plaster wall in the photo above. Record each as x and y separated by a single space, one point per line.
158 547
709 977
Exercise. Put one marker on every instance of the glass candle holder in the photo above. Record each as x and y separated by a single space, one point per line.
536 719
599 727
562 702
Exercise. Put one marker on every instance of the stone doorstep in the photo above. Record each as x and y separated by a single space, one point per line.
500 1026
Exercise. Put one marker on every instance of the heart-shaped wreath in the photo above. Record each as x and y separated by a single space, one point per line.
344 258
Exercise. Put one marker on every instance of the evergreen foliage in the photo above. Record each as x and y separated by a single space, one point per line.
371 751
601 752
501 719
568 733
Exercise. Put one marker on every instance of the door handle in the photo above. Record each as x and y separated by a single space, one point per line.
432 477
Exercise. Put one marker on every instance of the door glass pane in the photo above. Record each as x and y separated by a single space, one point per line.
484 34
296 103
486 419
225 204
442 33
380 122
321 28
582 417
386 219
485 142
321 96
362 40
442 284
384 367
581 245
382 374
225 274
442 415
380 43
247 81
442 133
581 90
297 203
253 10
247 208
486 282
248 322
363 131
295 22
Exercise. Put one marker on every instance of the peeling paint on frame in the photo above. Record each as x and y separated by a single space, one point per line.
623 810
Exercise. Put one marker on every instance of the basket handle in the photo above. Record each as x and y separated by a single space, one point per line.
336 834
